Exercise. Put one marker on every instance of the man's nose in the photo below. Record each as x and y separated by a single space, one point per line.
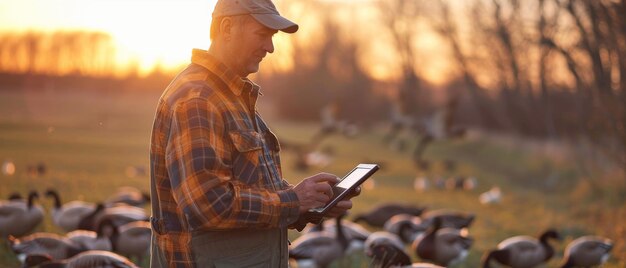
269 46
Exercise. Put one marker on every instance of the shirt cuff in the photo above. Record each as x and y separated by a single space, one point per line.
290 207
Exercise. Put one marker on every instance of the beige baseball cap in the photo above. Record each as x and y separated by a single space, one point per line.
262 11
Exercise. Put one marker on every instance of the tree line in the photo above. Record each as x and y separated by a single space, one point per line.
549 69
552 69
57 53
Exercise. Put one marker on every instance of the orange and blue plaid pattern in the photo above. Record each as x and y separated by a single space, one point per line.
214 162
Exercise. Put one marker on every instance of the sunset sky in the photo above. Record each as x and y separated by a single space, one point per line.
150 32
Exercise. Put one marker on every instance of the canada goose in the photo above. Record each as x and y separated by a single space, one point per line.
470 183
587 251
36 170
522 251
448 218
401 121
493 196
442 246
321 247
405 226
379 215
332 124
382 238
90 240
89 222
128 195
87 259
454 183
421 183
386 255
352 230
130 239
15 197
18 218
69 215
306 155
58 247
119 214
440 126
8 168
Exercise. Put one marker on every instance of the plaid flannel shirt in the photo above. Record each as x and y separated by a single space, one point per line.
214 162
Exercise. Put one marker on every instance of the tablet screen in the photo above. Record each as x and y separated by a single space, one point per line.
353 177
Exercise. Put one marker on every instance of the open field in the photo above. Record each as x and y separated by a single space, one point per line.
87 140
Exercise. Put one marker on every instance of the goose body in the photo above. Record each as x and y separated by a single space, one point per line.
386 255
522 251
18 218
119 215
449 218
90 240
382 238
87 259
443 246
493 196
407 227
352 230
587 251
320 248
379 215
128 195
56 246
130 239
68 215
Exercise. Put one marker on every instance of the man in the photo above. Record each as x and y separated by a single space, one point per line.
219 199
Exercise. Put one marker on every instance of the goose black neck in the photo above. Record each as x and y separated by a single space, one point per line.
544 242
402 229
340 234
87 222
487 258
114 232
55 196
426 248
31 198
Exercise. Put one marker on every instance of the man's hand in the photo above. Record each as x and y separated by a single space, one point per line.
315 191
344 205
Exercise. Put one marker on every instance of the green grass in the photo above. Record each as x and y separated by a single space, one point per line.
88 139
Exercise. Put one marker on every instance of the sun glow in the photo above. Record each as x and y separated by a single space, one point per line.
160 34
147 33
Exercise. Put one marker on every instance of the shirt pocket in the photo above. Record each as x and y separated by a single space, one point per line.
272 141
246 159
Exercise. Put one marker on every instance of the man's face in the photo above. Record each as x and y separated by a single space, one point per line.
249 44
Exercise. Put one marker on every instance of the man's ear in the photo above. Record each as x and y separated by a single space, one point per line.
226 27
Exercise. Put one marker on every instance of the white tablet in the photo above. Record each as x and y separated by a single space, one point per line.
346 185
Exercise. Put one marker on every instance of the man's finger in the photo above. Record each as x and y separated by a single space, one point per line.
356 191
322 198
344 204
324 188
324 177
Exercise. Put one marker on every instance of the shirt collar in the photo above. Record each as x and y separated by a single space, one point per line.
235 83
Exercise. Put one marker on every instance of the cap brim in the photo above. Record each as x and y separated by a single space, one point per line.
276 22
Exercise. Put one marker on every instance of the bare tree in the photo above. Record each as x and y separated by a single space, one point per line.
445 26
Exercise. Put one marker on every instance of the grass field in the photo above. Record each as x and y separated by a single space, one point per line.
87 140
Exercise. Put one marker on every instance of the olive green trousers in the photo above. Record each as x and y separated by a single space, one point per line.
266 248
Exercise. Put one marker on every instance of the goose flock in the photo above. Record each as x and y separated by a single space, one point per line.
106 234
116 231
438 238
